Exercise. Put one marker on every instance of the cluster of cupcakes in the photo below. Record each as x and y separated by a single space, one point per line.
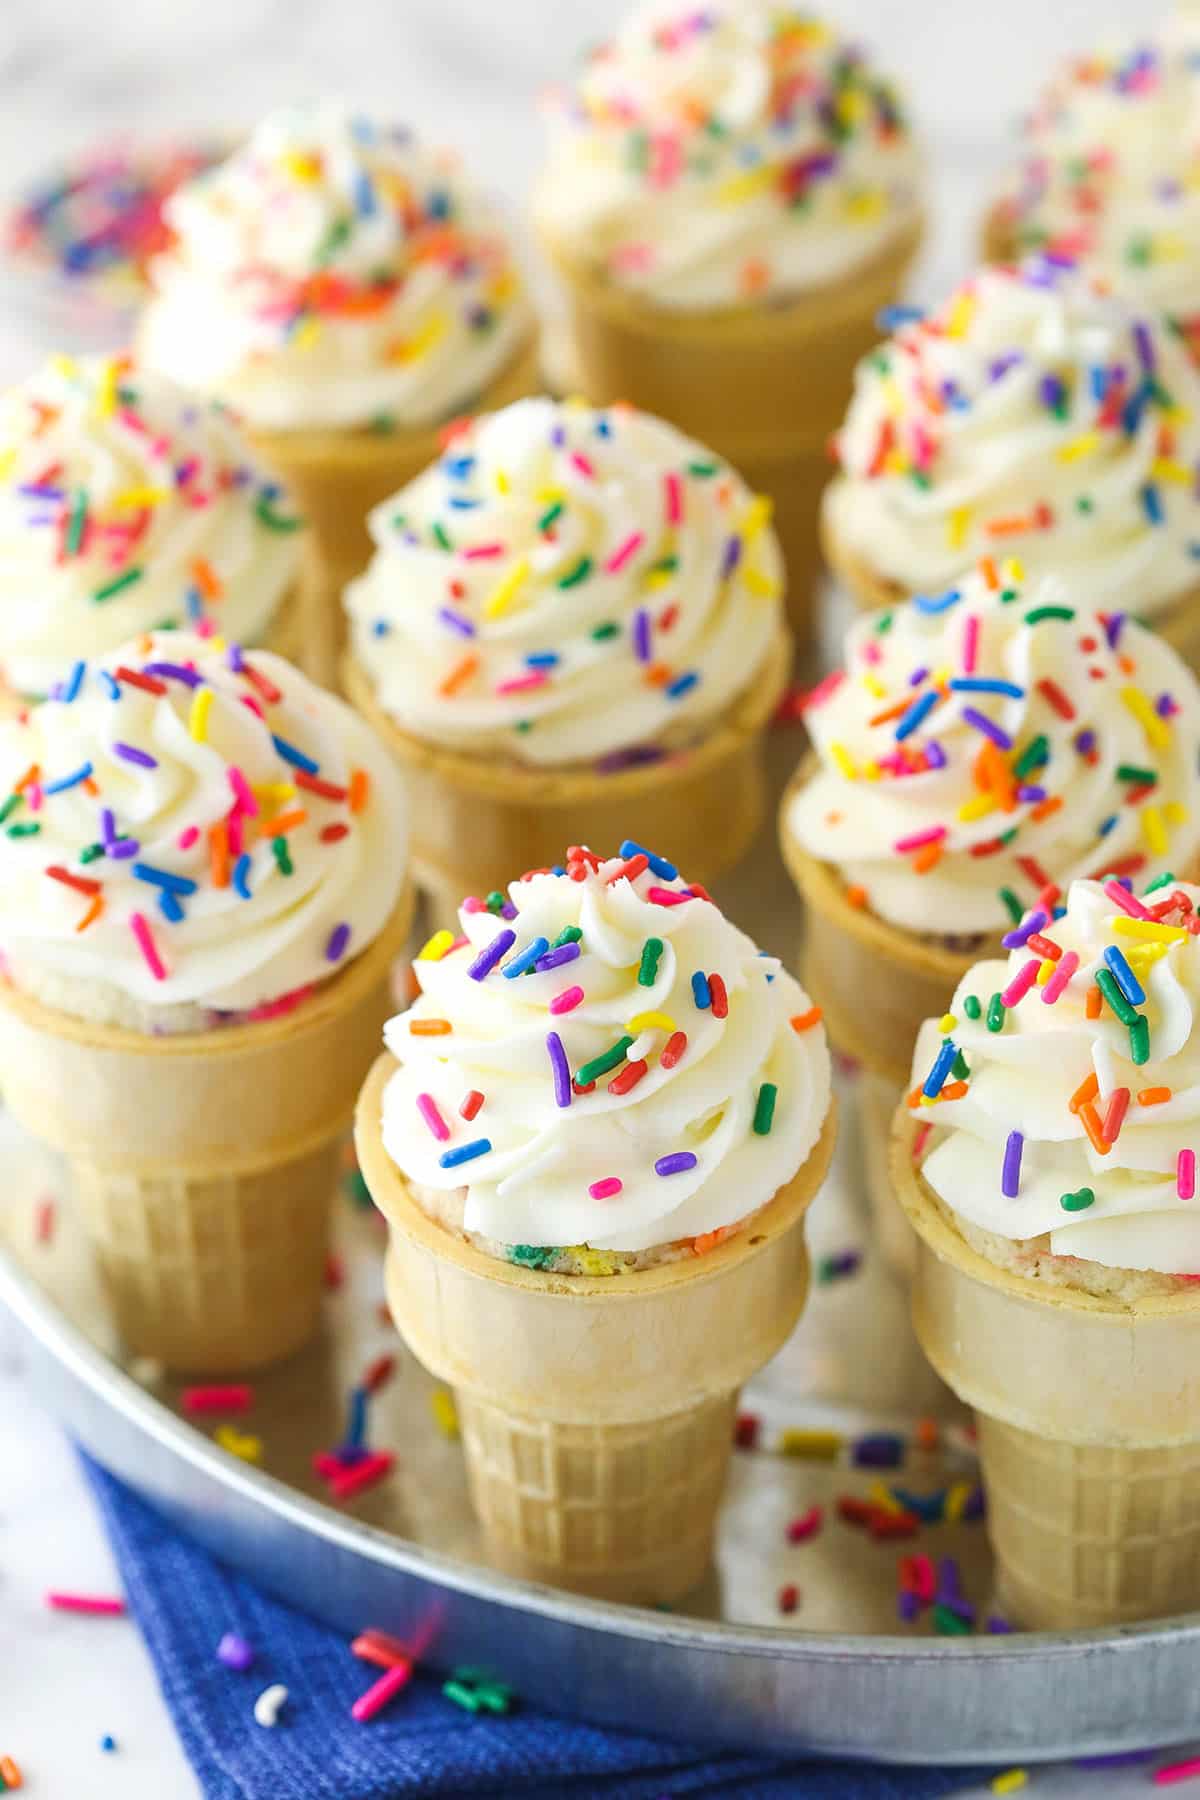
562 629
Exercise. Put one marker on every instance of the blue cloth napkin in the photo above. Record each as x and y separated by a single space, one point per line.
184 1601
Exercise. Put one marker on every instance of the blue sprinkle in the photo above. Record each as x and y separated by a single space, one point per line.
681 685
937 603
64 782
1152 504
666 871
943 1062
164 878
450 1159
890 318
701 992
525 959
979 684
919 710
241 875
542 659
193 602
74 683
297 758
1124 977
111 686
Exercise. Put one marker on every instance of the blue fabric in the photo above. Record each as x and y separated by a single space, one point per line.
423 1745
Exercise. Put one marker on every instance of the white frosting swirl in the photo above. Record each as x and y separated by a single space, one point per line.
126 505
978 738
566 583
739 151
334 273
1110 170
1030 416
1027 1076
189 805
531 1185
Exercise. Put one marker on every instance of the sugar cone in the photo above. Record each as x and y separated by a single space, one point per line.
1089 1425
337 477
596 1413
205 1163
477 822
764 386
875 984
999 236
876 1100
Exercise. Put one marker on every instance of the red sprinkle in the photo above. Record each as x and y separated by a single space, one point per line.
1051 692
673 1049
234 1397
330 834
745 1431
378 1374
363 1475
628 1078
789 1598
149 684
720 999
43 1229
470 1103
81 883
805 1526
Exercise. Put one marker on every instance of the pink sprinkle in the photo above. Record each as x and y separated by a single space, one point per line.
1180 1771
428 1109
86 1603
207 626
1021 982
145 943
1063 971
378 1695
482 552
33 797
921 1139
970 643
523 684
473 904
1126 901
583 465
674 497
665 897
188 837
604 1190
234 1397
362 1475
43 1229
1185 1175
621 556
286 1003
934 835
806 1526
241 792
823 691
567 1001
234 835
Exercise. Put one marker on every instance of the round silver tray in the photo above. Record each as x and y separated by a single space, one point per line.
839 1675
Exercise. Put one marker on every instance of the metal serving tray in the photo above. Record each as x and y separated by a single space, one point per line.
839 1675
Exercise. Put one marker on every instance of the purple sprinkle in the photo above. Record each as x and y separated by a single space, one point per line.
170 671
1019 936
1085 743
641 635
1000 738
1052 391
129 753
235 1652
997 1626
935 756
121 849
976 1506
949 1588
1145 345
456 622
562 1073
731 558
108 827
487 959
234 658
1112 628
339 937
633 758
1165 706
676 1164
1031 795
1010 1176
907 1605
508 910
918 676
554 959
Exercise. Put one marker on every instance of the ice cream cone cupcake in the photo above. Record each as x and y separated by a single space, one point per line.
1052 1189
1031 416
128 506
1108 173
202 889
638 1102
572 628
348 292
731 196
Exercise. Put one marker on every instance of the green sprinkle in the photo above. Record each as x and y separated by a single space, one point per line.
117 585
1079 1201
78 521
702 470
570 934
383 424
971 1006
10 806
494 901
764 1108
530 1256
333 240
1162 881
399 521
20 831
523 725
995 1013
600 1065
266 515
1033 755
1139 1040
1038 613
357 1190
1107 984
580 572
1143 777
960 1068
550 515
884 624
652 949
608 630
1016 911
90 852
1008 595
1084 503
441 536
282 855
920 479
948 1624
1006 837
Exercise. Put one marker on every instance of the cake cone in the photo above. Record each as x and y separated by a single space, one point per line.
596 1413
999 236
1088 1415
765 386
205 1164
336 478
476 820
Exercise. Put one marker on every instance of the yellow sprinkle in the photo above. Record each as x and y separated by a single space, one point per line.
650 1021
947 1024
436 947
1175 813
960 315
230 1439
1157 734
445 1413
884 1498
1154 831
756 516
592 1262
746 184
958 526
503 484
301 167
872 771
874 686
7 462
1140 956
1013 570
1149 929
66 366
1045 971
844 761
502 287
866 205
409 349
1165 468
762 586
217 644
106 393
1009 1782
955 1502
273 790
658 578
811 1446
198 716
1080 446
505 590
307 332
978 807
143 496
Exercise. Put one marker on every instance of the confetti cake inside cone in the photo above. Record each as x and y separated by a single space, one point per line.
127 505
1031 415
201 893
980 749
594 1142
1047 1157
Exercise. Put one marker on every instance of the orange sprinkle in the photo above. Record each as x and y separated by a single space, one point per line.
1010 527
1127 664
806 1020
33 773
856 897
926 858
459 674
218 852
914 1099
754 275
1045 807
282 823
926 1434
89 786
429 1027
953 1090
1085 1093
1093 1002
359 790
989 571
890 712
708 1240
9 1772
657 675
93 912
1154 1096
1089 1118
206 578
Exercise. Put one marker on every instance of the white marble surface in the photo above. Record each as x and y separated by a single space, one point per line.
468 72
